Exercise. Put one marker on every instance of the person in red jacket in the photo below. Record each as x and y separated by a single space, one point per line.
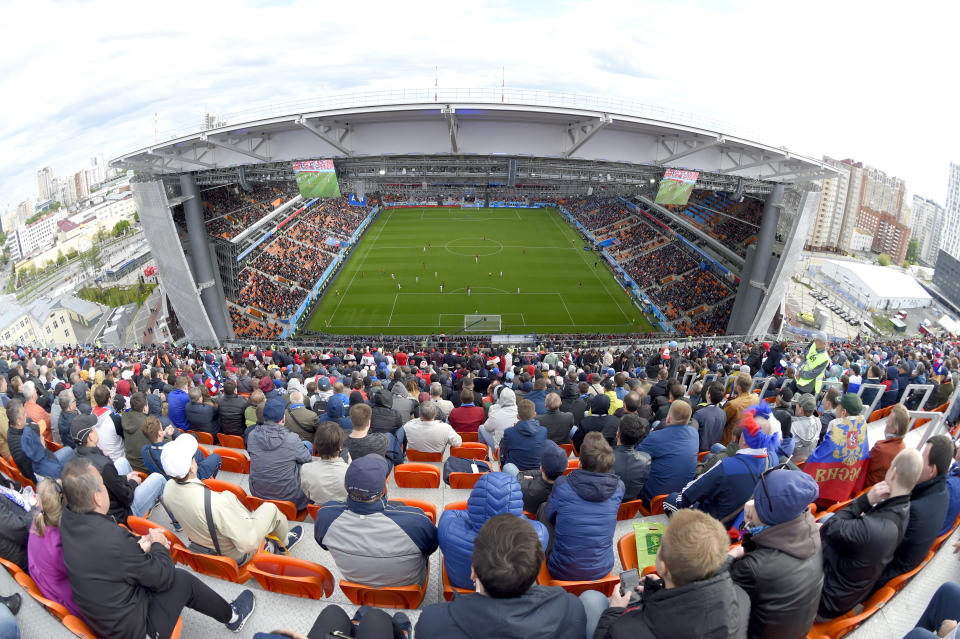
467 417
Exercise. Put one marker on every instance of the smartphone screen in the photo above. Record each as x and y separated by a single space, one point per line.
629 579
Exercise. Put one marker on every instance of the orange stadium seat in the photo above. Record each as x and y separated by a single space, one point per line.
836 628
287 508
604 585
627 549
82 630
291 576
568 448
656 506
231 441
219 486
429 508
234 461
448 588
11 567
898 582
414 475
420 456
469 437
54 608
629 509
464 480
387 597
456 505
313 509
202 437
469 450
215 566
572 465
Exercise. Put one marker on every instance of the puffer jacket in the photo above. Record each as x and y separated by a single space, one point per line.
714 608
782 573
403 404
275 458
522 443
858 541
383 419
337 412
231 415
494 494
583 510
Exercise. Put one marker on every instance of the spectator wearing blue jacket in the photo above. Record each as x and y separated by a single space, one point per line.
583 512
177 403
673 450
522 443
494 494
538 395
953 490
710 418
722 491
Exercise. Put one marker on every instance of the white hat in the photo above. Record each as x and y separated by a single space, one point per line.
177 455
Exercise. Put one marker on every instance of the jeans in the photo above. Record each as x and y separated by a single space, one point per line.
146 494
123 466
375 624
8 624
486 437
209 466
594 603
165 607
944 605
510 469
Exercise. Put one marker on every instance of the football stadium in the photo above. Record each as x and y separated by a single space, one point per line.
477 363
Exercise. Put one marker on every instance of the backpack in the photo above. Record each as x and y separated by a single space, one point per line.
462 465
320 406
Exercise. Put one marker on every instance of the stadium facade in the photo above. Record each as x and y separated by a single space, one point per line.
477 144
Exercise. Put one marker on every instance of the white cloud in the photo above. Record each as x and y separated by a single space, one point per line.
872 81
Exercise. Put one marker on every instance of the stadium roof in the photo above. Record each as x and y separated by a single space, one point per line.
458 123
884 281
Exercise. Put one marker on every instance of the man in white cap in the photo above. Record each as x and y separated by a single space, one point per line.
236 532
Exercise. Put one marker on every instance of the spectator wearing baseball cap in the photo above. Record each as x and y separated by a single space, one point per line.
403 535
237 532
537 486
276 455
779 564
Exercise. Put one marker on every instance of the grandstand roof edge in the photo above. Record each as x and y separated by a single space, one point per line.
173 156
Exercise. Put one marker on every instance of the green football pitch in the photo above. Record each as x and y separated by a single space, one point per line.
526 267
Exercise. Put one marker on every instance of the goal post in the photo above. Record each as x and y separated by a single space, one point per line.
481 323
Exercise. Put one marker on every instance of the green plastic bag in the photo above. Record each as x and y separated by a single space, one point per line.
648 542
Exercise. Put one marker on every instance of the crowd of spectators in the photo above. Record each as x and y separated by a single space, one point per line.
596 213
657 265
231 210
265 293
783 573
693 290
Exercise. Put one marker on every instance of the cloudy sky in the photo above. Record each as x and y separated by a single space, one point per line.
874 81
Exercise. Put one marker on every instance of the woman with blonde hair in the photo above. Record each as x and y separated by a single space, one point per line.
44 551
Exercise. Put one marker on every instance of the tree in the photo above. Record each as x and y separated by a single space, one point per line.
121 227
913 252
883 259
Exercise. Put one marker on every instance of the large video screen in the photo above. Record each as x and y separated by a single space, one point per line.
316 178
676 186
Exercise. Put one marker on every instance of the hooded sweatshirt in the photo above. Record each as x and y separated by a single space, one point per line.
583 510
337 412
275 458
522 443
503 415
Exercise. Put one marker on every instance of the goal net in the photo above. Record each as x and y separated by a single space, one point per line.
481 323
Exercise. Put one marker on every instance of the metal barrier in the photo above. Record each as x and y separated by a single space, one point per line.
876 398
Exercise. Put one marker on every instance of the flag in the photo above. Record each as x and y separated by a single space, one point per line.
840 462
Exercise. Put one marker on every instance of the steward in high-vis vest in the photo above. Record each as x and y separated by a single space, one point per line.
810 376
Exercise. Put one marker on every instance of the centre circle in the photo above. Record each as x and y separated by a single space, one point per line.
471 246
